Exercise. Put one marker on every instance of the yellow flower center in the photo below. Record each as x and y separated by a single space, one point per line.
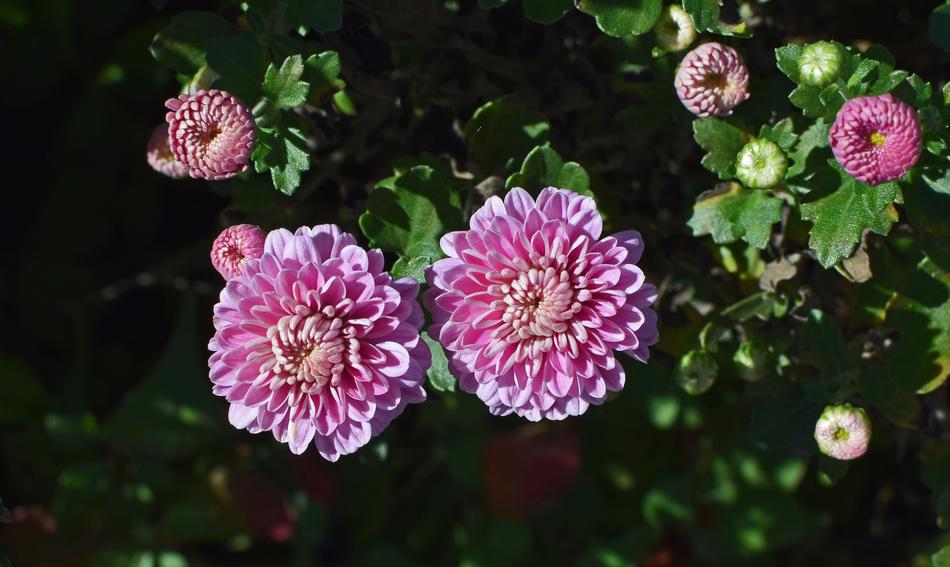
877 138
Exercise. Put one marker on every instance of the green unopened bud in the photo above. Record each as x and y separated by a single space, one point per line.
761 164
946 94
675 31
753 358
819 63
697 372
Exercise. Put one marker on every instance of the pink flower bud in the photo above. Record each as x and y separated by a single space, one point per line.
876 138
843 432
234 247
211 133
159 154
712 80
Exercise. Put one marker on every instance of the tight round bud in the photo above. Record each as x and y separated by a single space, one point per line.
211 133
752 359
712 80
761 164
234 247
819 63
843 432
697 372
159 155
876 138
675 31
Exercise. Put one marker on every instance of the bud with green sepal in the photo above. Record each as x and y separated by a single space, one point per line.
753 359
697 372
761 164
820 63
675 31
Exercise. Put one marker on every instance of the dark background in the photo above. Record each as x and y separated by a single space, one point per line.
113 447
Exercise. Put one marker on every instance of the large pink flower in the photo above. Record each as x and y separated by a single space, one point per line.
315 342
876 138
532 302
712 80
211 133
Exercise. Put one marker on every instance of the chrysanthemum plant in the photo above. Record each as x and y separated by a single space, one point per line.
527 301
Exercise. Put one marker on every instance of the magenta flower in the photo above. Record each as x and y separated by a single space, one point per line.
876 138
314 342
234 247
712 80
531 302
159 154
211 133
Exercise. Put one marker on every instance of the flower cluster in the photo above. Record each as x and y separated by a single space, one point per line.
314 342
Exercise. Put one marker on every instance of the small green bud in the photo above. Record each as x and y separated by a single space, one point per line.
675 31
752 358
761 164
697 372
820 63
946 94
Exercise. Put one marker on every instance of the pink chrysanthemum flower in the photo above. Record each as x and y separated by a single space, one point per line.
843 432
211 133
876 138
159 154
712 80
532 302
314 342
234 247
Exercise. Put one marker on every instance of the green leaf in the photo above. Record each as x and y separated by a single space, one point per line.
410 213
839 218
941 558
322 72
283 86
620 18
414 268
240 62
282 150
731 212
501 133
181 45
940 27
170 413
320 15
927 203
722 142
808 98
439 376
816 136
786 58
782 133
544 168
547 11
22 394
704 13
